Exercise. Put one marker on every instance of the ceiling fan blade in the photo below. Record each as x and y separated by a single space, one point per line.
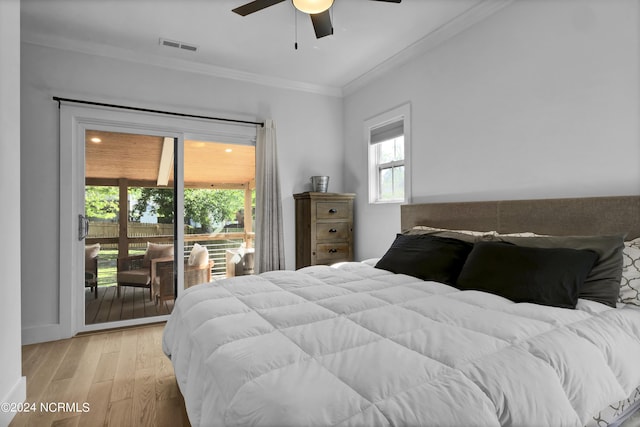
390 1
255 6
322 23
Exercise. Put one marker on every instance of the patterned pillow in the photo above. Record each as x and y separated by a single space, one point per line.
630 284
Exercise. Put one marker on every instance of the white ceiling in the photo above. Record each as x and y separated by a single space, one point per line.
369 35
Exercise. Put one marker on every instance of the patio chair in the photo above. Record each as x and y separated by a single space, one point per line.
141 270
91 267
163 286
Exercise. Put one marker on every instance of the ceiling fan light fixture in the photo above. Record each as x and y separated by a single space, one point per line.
312 6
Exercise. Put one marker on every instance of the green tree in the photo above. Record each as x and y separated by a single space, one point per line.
159 201
101 202
204 207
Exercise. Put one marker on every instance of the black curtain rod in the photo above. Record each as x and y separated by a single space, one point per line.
147 110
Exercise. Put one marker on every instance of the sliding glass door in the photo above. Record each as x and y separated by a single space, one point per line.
130 217
131 242
140 192
219 210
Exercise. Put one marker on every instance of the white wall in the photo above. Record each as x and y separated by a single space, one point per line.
309 131
539 100
12 384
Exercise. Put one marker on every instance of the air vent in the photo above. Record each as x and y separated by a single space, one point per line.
178 45
189 47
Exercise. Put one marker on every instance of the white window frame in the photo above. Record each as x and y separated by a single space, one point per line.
400 113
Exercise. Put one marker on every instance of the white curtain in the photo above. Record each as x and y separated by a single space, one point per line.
269 253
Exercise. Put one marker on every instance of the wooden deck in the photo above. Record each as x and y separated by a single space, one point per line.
134 303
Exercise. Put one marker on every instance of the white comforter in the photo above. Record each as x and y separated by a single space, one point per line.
358 346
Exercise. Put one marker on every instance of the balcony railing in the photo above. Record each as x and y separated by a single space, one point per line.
217 245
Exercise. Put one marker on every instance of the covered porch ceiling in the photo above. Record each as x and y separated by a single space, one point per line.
147 161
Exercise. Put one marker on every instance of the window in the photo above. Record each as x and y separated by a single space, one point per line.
388 141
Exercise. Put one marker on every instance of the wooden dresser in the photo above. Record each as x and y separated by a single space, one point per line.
324 228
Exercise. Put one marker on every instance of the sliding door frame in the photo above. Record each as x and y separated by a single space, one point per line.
178 232
74 121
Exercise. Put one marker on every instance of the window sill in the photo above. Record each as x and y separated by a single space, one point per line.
387 202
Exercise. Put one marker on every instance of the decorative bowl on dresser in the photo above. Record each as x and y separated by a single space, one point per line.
324 228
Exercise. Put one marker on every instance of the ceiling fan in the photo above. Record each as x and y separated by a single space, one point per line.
318 11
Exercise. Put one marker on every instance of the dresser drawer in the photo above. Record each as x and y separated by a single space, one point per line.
337 231
333 210
332 252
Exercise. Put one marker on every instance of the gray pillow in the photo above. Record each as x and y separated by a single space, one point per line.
603 282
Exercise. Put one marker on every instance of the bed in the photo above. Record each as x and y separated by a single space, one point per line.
356 345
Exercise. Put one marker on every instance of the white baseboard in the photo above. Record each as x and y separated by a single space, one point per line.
17 394
43 333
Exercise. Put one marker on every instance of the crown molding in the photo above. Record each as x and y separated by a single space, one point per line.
457 25
113 52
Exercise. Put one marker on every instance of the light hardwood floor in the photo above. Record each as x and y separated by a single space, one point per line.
123 375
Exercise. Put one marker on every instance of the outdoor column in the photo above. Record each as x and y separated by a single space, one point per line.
248 215
123 218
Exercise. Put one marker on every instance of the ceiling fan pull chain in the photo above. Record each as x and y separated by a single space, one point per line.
295 19
332 21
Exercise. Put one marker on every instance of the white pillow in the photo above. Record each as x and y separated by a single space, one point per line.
418 228
194 251
199 255
480 235
630 284
91 251
522 234
157 250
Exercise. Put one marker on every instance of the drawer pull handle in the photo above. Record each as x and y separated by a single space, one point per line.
333 230
333 251
332 211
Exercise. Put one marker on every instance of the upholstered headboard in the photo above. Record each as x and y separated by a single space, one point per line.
570 216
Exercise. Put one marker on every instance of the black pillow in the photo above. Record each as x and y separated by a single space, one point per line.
547 276
427 257
603 282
